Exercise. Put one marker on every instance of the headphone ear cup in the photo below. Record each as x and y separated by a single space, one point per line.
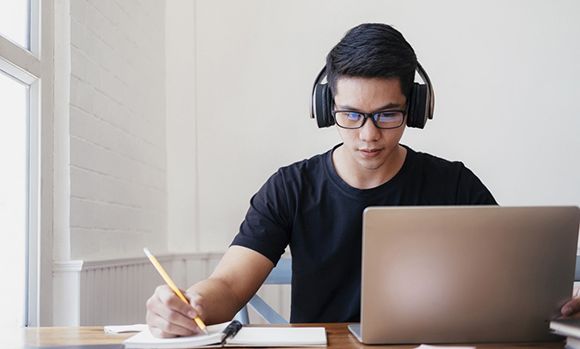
323 105
417 113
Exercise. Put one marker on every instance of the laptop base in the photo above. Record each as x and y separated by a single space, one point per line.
355 330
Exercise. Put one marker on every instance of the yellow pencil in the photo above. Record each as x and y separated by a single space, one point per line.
172 285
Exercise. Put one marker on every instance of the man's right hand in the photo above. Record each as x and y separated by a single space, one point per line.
168 316
216 299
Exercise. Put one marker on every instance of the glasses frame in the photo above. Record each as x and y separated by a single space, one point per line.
372 117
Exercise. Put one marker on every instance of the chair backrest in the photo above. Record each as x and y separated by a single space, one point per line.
280 275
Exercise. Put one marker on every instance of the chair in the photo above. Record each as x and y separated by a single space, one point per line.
280 275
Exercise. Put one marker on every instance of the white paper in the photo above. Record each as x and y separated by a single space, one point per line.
146 340
279 337
125 328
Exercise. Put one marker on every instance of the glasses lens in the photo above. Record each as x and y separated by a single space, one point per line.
389 119
349 119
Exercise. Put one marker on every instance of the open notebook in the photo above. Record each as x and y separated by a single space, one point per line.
246 337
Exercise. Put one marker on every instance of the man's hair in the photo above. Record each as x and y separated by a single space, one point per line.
372 50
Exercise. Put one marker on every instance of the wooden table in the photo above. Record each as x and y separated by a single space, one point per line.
338 338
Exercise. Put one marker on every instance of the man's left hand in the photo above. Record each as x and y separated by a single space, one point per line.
572 307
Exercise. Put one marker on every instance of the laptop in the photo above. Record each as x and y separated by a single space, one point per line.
465 274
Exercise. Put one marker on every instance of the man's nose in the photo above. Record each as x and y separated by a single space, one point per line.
369 132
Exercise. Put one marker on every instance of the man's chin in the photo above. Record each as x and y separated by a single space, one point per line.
371 165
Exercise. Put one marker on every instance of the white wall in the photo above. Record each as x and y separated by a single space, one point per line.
505 75
181 126
115 195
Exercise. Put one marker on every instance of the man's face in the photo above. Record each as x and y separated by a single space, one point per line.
368 147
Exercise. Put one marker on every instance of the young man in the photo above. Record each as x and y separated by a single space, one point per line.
315 206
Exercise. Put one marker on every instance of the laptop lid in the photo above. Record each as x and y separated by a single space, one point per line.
465 274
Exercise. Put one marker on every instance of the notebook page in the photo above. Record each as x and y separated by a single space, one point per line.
279 337
146 340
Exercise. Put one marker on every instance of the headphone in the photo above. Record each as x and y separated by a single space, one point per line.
419 107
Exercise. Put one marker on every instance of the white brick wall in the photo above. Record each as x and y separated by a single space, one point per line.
117 128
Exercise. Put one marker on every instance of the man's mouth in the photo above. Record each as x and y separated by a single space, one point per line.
370 152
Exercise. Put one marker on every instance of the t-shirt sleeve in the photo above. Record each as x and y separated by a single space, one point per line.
266 227
471 191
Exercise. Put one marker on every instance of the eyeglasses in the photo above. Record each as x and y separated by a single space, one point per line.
387 119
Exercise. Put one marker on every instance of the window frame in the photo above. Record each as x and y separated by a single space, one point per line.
35 67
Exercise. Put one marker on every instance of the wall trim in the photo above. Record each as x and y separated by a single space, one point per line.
83 294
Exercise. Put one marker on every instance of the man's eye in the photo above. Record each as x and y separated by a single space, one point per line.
388 117
353 116
385 117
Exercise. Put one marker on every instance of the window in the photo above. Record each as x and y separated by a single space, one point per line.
14 21
13 199
26 85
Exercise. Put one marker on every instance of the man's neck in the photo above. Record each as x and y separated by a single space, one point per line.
359 177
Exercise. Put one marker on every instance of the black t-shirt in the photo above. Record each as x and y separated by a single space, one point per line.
308 206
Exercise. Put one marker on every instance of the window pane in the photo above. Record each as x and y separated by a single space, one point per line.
13 199
14 23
